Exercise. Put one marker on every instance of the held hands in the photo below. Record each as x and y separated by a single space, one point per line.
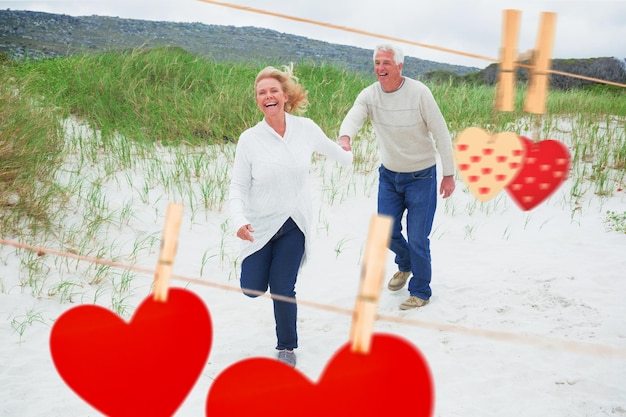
447 186
344 142
245 233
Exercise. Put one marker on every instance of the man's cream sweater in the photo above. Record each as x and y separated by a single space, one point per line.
408 125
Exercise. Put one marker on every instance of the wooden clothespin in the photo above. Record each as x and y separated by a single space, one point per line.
372 271
505 85
539 79
169 244
541 59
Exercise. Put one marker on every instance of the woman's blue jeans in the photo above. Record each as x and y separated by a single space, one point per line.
415 193
276 266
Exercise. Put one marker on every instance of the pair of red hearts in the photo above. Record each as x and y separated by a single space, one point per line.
529 171
147 367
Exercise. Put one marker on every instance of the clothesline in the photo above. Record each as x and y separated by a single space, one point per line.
536 341
399 40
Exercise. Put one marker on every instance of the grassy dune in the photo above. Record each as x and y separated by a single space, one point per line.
71 126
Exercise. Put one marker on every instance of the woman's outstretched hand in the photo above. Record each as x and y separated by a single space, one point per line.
245 233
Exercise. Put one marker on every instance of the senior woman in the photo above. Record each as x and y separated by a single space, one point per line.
269 196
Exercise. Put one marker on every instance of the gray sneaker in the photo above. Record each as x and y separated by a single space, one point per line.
288 357
398 280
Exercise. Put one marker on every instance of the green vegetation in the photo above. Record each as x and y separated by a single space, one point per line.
616 221
31 140
168 95
74 131
163 95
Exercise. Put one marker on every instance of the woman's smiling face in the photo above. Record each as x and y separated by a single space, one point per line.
270 96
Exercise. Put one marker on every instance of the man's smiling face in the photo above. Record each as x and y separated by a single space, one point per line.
389 73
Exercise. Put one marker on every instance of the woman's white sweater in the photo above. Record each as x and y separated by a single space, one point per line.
270 178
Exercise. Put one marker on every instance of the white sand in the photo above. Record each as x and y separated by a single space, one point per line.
546 284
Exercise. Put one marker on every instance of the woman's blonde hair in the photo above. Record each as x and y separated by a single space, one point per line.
297 100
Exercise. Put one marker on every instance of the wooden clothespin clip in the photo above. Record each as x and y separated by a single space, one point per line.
372 272
505 85
540 57
169 244
539 79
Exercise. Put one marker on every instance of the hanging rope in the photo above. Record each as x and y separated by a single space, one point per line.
536 341
395 39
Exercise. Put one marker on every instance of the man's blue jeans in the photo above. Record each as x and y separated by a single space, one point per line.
276 266
415 193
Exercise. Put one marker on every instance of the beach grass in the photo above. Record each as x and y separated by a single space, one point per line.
74 131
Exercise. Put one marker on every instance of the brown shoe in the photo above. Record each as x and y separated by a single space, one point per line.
398 281
413 302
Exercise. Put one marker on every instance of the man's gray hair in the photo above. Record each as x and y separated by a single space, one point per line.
398 55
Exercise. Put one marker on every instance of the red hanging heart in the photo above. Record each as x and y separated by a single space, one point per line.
142 368
546 166
392 379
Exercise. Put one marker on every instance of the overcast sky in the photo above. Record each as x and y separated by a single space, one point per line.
584 29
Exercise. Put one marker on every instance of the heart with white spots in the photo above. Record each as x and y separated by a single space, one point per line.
546 167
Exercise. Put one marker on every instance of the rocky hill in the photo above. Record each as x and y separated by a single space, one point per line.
608 69
37 34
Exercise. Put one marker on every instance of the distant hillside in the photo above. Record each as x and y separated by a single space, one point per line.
36 34
607 69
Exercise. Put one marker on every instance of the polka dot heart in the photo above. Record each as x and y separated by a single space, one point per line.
488 163
546 166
